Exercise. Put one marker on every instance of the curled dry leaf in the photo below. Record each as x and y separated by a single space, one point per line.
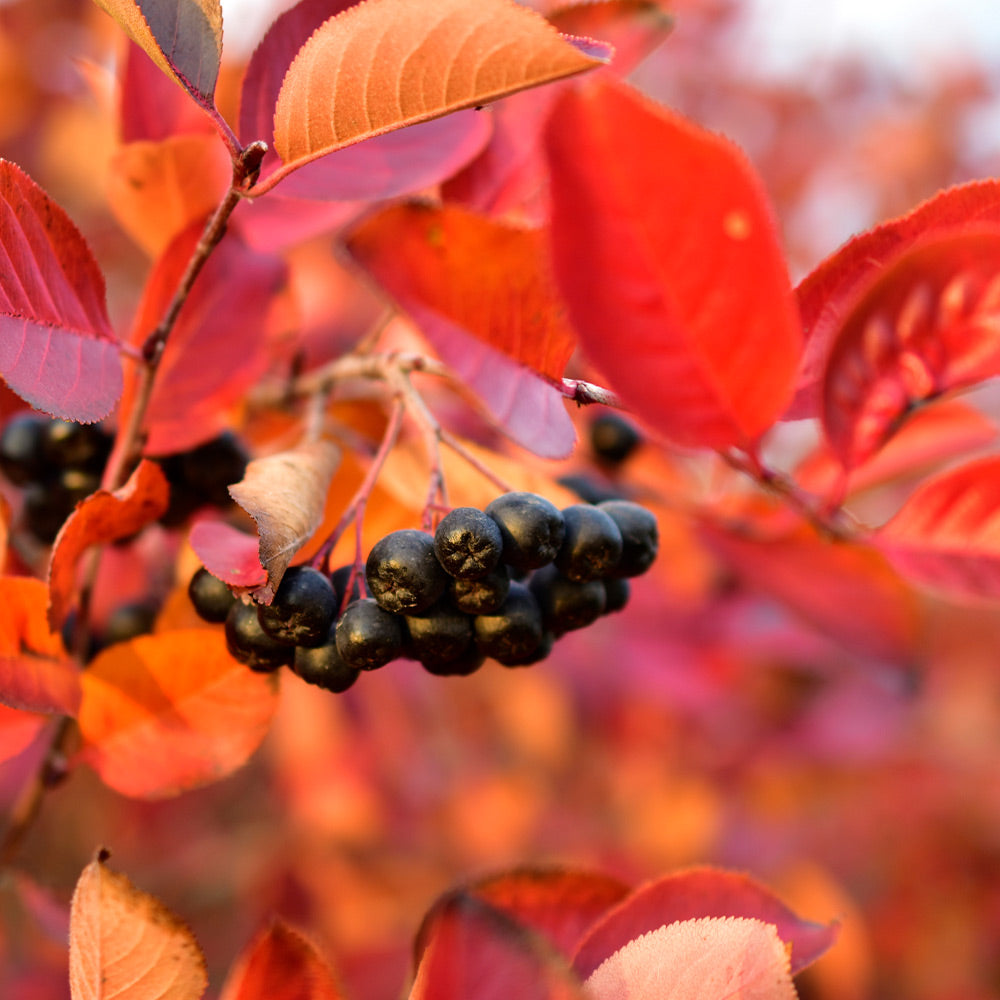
285 494
126 945
103 517
713 958
384 64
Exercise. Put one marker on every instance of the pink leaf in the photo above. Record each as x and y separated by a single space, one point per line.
57 349
231 555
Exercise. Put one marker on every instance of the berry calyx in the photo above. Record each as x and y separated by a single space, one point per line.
481 597
592 545
532 529
303 608
468 543
403 573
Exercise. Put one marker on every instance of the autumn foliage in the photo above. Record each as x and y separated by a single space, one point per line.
400 255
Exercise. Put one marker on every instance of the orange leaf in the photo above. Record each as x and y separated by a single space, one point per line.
285 494
947 535
490 279
666 252
280 964
157 189
35 672
102 517
167 712
713 958
124 944
927 325
384 64
183 38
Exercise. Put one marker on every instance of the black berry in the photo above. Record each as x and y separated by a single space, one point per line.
340 578
211 598
128 621
403 573
532 529
613 438
540 652
250 644
468 543
587 489
616 594
481 597
303 608
592 545
324 667
367 636
21 459
439 635
514 631
211 468
68 445
567 604
467 663
640 536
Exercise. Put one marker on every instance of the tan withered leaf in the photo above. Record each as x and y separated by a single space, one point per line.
125 944
285 495
384 64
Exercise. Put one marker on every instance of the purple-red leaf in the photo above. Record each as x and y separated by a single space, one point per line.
233 556
57 349
947 535
926 326
667 255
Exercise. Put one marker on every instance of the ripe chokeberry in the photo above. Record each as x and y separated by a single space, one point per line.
367 636
531 526
21 458
613 438
640 536
462 666
128 621
439 635
211 598
481 597
303 608
514 631
248 643
592 545
616 593
567 604
403 573
68 445
341 578
468 543
324 666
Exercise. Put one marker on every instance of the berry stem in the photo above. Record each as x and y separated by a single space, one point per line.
447 438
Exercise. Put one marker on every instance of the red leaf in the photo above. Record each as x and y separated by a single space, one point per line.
102 517
485 277
231 555
825 295
689 895
167 712
926 326
17 731
57 349
845 590
280 964
667 255
947 534
36 674
383 167
218 347
475 951
560 905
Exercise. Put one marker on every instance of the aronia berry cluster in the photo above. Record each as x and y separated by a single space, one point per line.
504 584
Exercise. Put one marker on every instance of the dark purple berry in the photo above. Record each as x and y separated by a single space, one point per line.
613 438
592 545
211 598
468 544
640 536
324 667
532 529
462 666
403 573
367 636
248 643
616 594
481 597
567 604
69 445
541 652
439 635
211 468
21 458
303 608
514 631
128 621
340 578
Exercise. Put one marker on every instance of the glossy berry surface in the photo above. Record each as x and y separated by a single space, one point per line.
640 536
512 633
468 543
616 594
211 598
21 459
592 545
367 636
439 635
403 573
303 608
567 604
481 597
531 526
324 667
613 438
250 644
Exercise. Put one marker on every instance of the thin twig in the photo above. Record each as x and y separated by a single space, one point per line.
456 446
